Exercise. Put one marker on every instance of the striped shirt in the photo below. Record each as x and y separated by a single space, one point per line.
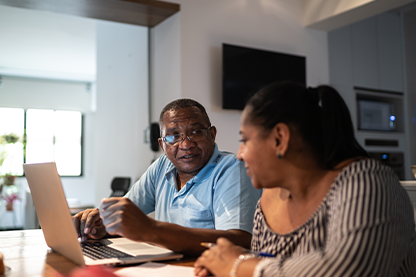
364 227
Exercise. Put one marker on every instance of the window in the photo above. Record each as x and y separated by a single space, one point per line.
50 136
12 121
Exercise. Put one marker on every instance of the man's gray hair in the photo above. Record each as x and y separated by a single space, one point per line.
183 103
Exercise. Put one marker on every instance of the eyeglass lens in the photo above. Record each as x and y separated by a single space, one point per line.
192 136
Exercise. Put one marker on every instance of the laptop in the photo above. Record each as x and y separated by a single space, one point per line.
59 231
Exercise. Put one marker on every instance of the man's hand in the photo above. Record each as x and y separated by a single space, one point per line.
122 217
89 225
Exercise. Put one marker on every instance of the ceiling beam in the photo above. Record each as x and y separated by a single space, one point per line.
137 12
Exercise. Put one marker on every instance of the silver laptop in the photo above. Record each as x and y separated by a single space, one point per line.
59 231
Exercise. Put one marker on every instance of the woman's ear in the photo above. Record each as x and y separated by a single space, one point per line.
281 134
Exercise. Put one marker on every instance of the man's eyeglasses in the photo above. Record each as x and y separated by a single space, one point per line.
195 135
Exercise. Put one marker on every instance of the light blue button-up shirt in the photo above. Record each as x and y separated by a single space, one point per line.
219 197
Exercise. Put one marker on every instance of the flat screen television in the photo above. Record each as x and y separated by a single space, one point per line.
246 70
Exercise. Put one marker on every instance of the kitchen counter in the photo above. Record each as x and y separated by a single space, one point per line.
409 185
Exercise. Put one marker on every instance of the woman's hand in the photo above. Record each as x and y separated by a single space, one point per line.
218 259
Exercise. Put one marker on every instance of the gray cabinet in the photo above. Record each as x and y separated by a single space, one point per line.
365 54
340 56
390 52
377 52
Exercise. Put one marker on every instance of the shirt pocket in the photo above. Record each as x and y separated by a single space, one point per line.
199 219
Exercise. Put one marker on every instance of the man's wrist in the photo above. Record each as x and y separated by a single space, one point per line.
154 231
237 262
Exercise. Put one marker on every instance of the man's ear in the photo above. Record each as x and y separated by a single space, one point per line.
160 141
213 132
281 135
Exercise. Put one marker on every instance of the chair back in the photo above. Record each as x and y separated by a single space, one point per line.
120 186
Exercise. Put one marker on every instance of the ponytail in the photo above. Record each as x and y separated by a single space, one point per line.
339 142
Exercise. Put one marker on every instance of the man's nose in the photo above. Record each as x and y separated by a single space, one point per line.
186 142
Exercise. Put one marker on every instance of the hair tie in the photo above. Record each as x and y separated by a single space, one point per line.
315 95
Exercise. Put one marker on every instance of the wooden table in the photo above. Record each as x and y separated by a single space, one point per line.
27 254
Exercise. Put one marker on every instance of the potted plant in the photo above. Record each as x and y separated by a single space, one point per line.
9 138
8 179
5 141
10 200
8 189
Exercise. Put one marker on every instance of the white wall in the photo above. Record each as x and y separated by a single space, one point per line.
203 26
166 64
121 116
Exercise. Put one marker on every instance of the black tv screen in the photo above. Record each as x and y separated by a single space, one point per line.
246 70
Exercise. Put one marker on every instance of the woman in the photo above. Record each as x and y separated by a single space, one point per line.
326 209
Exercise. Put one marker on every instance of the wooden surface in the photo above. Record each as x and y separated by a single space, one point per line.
138 12
27 254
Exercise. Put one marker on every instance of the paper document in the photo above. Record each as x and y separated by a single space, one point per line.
156 270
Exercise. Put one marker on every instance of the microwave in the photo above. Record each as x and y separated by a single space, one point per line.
376 116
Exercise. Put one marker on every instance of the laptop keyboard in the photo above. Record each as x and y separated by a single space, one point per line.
97 251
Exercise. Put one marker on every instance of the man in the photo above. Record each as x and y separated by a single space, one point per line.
197 192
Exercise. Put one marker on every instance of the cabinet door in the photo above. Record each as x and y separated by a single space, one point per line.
340 56
390 51
365 53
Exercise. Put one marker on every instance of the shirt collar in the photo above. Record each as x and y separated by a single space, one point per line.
206 171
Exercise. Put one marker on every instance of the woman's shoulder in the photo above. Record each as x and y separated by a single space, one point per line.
367 184
367 169
364 173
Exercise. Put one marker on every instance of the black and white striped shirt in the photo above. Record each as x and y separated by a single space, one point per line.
364 227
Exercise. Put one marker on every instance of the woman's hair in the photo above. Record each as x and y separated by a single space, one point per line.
319 115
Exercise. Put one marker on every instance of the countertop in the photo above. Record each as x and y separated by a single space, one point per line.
409 185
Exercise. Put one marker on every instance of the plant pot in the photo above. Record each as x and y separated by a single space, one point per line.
9 180
9 206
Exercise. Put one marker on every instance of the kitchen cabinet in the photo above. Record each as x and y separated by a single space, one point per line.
390 52
340 56
364 54
367 56
377 53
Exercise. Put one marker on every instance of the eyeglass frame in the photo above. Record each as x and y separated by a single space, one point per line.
183 136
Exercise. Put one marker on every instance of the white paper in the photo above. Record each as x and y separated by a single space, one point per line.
155 270
135 248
